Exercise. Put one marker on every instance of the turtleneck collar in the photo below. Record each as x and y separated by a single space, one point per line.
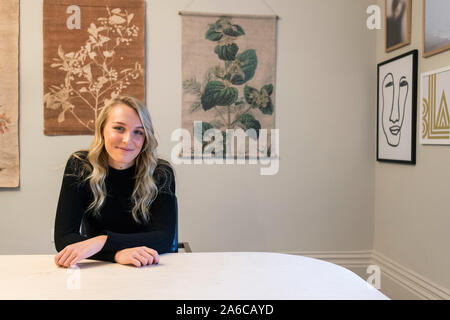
122 171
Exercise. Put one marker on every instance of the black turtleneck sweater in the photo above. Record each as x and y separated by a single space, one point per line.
115 219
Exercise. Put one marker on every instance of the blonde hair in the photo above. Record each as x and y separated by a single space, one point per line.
95 166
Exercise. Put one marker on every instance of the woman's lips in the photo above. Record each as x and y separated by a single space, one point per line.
124 149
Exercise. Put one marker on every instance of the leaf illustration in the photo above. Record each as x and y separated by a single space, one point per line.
213 35
234 31
227 52
89 74
61 117
244 67
218 94
251 96
260 99
116 20
249 122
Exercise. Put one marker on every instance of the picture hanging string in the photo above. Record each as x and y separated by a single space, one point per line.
184 12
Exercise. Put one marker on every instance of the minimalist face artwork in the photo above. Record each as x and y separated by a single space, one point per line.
397 100
124 136
395 93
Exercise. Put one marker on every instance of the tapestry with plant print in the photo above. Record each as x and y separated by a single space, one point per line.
94 51
9 96
228 78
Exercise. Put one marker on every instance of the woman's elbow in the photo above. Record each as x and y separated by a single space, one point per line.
59 243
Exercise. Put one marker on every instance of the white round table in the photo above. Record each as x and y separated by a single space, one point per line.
184 276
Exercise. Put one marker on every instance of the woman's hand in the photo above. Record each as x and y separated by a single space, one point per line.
75 252
138 256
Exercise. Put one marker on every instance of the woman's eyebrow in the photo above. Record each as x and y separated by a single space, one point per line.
118 122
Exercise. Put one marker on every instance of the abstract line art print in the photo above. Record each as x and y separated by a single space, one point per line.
396 116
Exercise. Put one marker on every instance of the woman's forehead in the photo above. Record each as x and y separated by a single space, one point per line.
125 115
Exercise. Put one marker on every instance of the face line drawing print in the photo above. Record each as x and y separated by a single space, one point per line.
397 112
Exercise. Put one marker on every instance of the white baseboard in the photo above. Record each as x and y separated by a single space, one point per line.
397 281
407 280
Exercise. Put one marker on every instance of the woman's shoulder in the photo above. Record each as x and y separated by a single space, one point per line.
77 161
164 175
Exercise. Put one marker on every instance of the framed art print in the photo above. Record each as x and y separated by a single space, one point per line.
436 27
396 109
398 23
434 114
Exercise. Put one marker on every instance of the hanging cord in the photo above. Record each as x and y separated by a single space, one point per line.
271 9
188 5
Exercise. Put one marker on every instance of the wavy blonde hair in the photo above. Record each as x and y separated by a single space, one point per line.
95 166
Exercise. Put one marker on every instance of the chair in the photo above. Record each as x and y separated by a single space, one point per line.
179 245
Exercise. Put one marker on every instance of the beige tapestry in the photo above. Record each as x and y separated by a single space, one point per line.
93 51
9 98
228 73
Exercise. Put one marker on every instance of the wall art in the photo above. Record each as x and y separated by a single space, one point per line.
398 23
93 51
434 113
228 78
436 27
9 94
396 109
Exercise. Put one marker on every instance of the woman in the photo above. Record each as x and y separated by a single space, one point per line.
119 192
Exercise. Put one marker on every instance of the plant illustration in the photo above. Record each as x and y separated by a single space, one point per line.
90 77
219 91
4 121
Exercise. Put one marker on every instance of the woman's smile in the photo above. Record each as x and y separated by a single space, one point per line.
124 149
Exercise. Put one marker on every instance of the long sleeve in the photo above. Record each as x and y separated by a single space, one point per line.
69 213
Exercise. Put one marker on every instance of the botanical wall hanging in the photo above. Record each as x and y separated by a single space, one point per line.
93 52
9 97
228 73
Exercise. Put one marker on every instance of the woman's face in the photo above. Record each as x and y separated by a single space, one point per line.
124 136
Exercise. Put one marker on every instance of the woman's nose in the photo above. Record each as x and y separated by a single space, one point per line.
126 137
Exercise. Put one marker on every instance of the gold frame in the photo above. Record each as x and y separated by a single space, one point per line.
408 23
435 51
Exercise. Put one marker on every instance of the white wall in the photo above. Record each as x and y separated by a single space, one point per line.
323 195
412 202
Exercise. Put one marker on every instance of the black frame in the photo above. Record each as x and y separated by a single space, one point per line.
414 53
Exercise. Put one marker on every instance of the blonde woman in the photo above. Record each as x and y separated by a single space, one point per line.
119 191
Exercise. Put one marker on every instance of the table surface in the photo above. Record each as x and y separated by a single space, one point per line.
190 276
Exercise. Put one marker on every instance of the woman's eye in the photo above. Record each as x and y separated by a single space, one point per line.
118 128
139 132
